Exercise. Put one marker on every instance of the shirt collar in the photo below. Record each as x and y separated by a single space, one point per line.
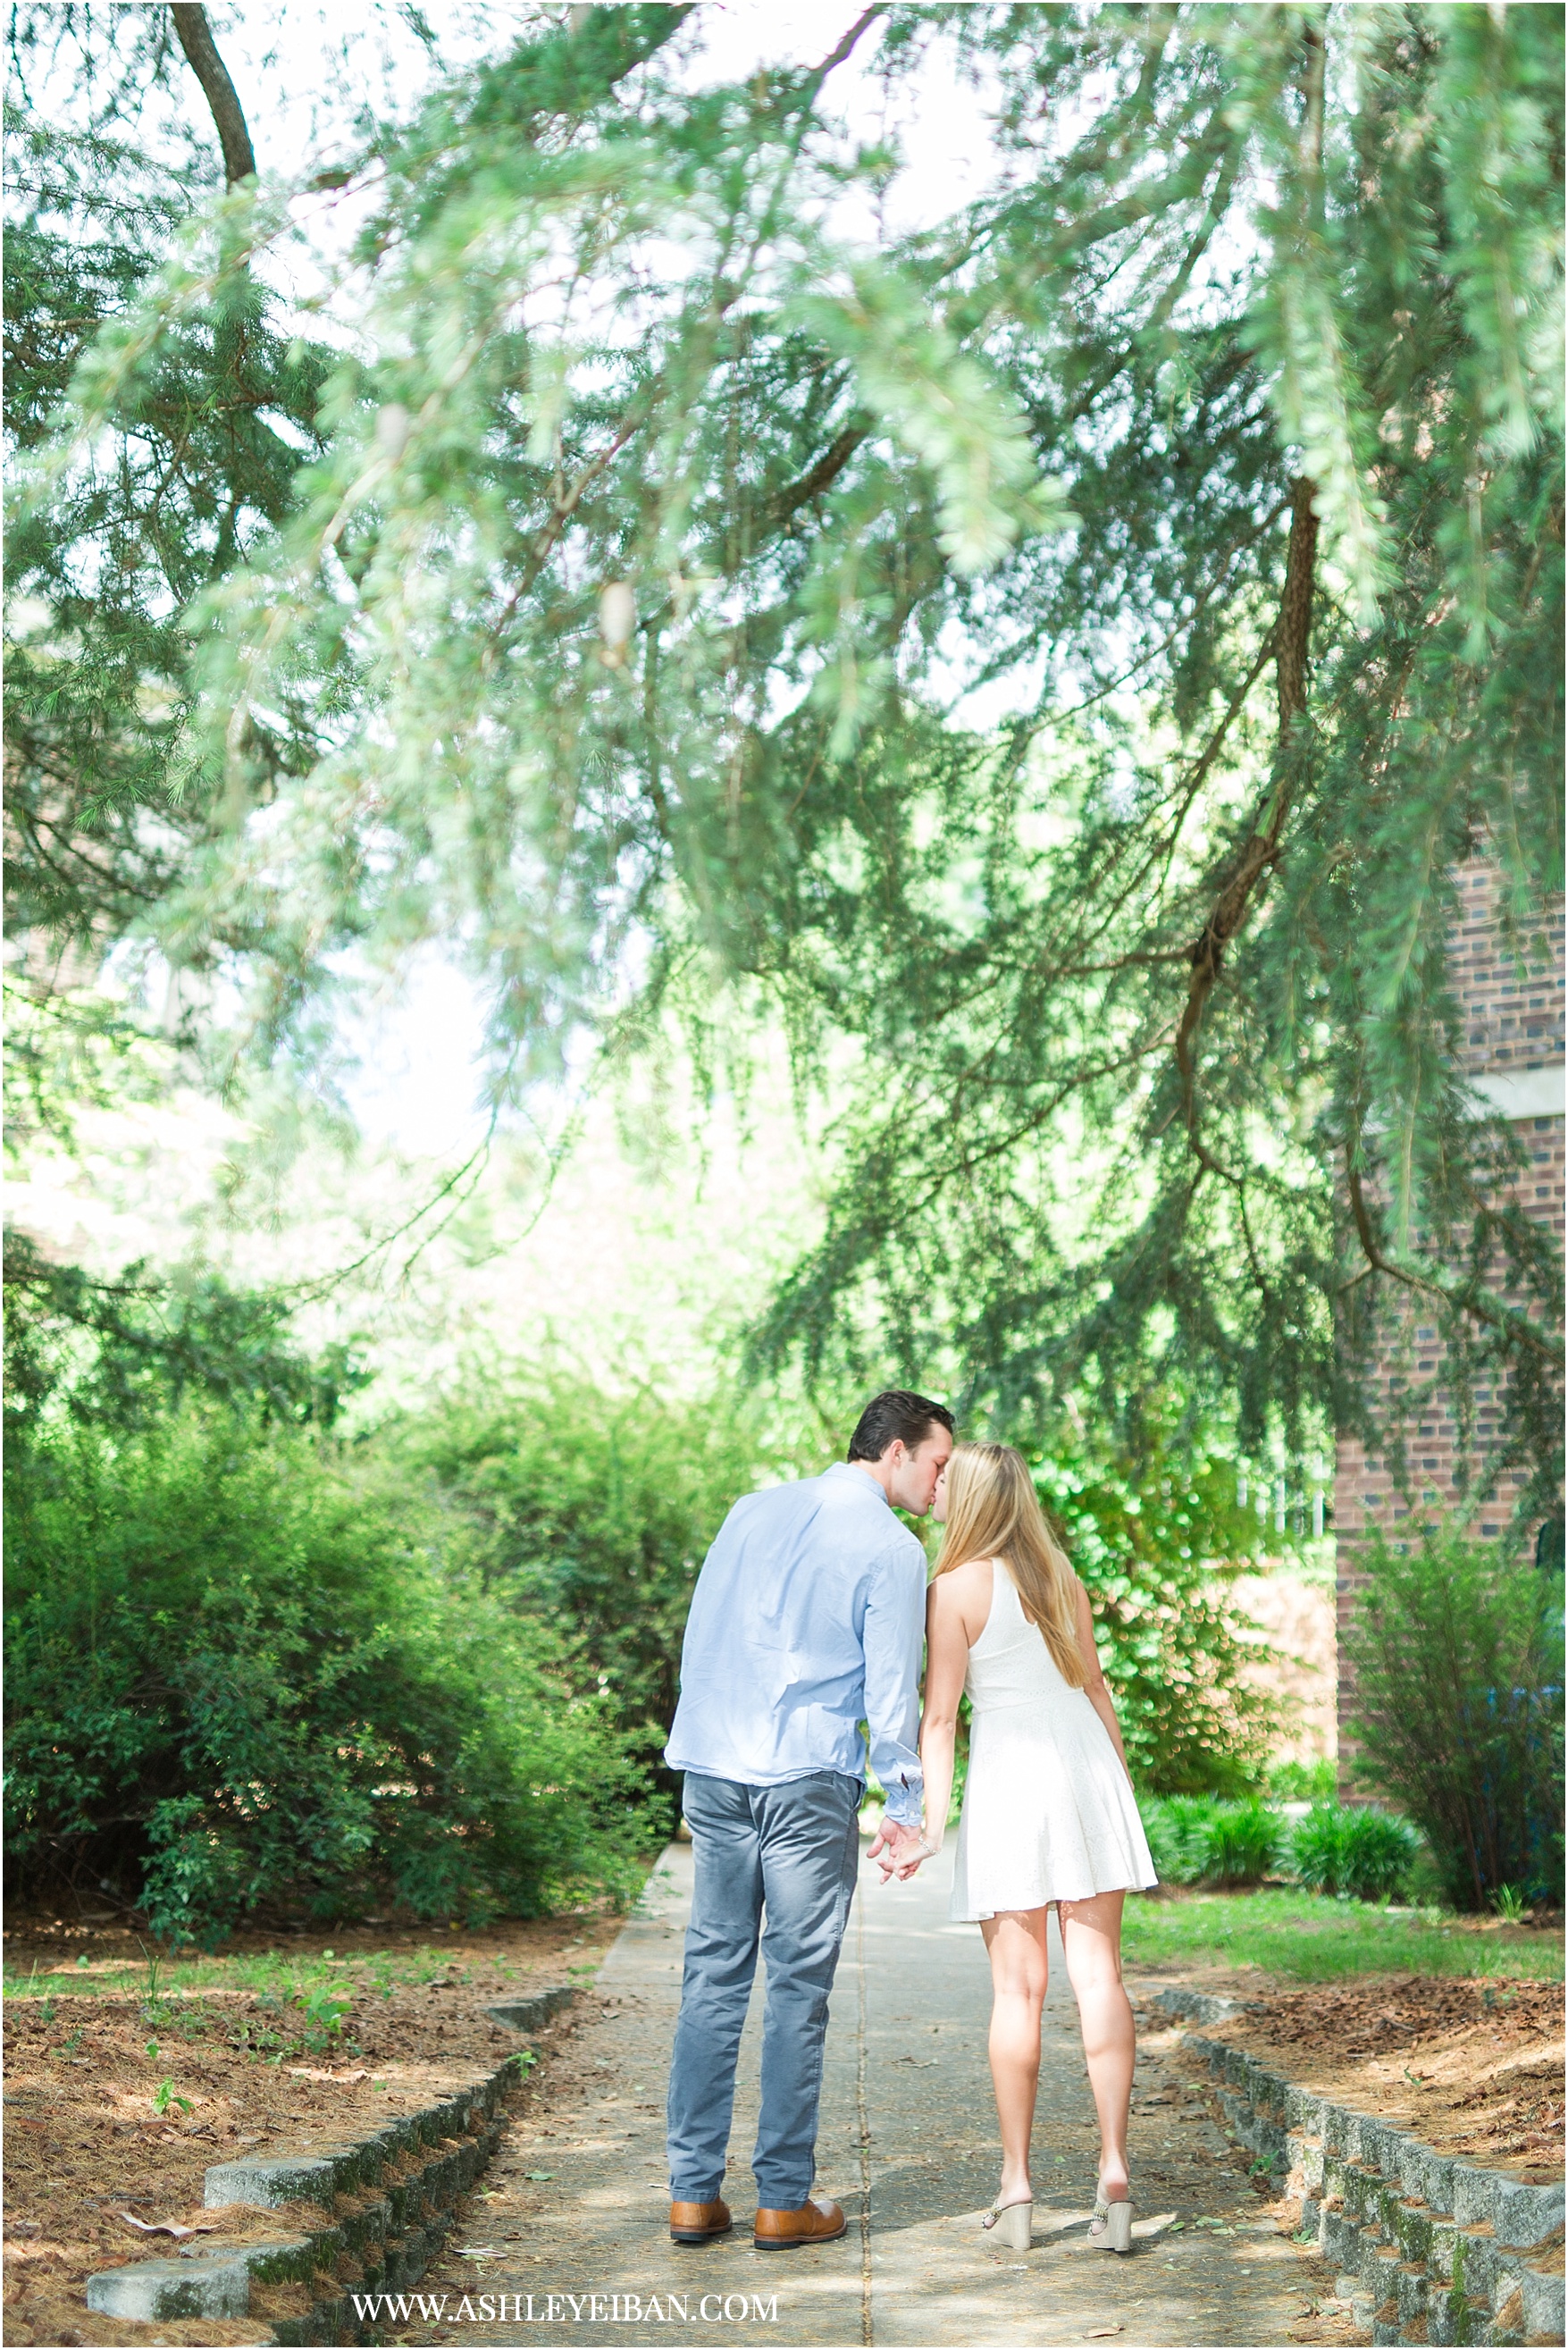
858 1476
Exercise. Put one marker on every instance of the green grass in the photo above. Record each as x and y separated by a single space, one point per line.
1304 1938
281 1975
291 2004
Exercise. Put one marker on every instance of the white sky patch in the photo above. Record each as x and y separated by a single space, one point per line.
939 123
414 1081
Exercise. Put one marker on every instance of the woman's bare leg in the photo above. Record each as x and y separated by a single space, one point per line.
1015 1940
1091 1940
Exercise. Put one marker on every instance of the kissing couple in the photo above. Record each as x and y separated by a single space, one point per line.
805 1623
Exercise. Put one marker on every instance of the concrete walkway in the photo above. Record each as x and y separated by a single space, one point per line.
574 2205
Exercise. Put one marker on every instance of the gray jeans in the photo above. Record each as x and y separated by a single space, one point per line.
789 1853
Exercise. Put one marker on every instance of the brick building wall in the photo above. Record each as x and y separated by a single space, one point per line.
1513 1053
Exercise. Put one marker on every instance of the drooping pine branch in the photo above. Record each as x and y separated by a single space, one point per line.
1470 1297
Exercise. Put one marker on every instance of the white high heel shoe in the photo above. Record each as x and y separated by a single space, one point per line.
1012 2223
1110 2229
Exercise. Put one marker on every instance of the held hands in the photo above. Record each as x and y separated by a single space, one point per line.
898 1850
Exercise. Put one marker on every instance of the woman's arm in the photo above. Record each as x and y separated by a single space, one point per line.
947 1659
1095 1688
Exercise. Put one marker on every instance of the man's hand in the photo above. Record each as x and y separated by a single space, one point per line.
898 1850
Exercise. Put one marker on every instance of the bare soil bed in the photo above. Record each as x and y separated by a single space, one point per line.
1474 2069
87 2151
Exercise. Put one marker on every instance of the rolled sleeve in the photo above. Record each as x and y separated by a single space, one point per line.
895 1626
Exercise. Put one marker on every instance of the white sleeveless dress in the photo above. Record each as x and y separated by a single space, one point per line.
1048 1815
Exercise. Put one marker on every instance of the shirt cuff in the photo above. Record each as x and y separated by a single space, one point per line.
903 1807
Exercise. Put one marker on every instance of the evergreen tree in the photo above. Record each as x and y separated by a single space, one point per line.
202 460
665 542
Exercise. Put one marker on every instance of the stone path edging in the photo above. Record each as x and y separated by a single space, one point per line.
392 2194
1433 2250
533 2014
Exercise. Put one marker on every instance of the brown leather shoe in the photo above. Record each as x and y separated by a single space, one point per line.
695 2223
814 2223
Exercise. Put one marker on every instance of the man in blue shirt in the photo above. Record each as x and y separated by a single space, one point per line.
806 1621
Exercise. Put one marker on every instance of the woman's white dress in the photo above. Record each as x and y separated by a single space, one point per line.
1048 1815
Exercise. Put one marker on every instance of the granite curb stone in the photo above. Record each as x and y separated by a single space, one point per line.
533 2014
1195 2006
1430 2248
383 2242
209 2285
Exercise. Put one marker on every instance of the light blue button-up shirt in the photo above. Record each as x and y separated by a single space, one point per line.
806 1620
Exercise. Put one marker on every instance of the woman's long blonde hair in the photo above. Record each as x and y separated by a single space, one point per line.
994 1512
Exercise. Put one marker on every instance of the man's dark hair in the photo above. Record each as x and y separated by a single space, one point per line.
896 1413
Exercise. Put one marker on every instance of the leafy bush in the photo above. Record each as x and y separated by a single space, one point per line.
1156 1539
1195 1840
1178 1829
240 1680
1163 1845
1243 1843
590 1515
1456 1651
1341 1848
1305 1782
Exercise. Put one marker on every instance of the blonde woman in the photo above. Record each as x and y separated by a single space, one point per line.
1048 1811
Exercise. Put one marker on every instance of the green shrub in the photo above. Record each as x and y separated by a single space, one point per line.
1456 1653
1191 1821
1305 1782
1196 1840
1243 1841
240 1680
1341 1848
589 1513
1169 1844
